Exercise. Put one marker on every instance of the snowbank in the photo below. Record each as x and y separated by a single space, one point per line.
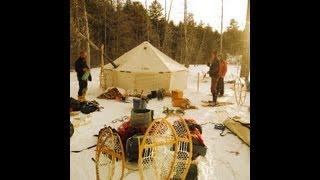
220 163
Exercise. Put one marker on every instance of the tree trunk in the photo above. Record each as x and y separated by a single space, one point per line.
87 33
221 30
245 64
118 28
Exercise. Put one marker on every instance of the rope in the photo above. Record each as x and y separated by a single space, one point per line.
222 128
95 135
84 149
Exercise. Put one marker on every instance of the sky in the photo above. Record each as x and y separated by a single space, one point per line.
208 11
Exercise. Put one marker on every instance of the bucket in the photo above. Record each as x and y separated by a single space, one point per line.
139 104
141 117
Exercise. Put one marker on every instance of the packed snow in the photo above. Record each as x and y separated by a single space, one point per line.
220 162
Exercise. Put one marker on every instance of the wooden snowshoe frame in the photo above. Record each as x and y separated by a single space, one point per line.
166 150
240 91
109 155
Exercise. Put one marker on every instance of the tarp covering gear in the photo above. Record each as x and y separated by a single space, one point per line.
146 68
242 130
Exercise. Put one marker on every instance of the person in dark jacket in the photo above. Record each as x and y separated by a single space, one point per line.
222 73
214 74
81 68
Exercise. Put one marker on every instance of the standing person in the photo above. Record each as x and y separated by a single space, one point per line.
214 74
81 69
222 72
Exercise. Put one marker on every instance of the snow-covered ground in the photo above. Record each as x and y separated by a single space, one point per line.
218 164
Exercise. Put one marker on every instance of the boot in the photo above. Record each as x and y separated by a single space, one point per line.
214 100
80 98
84 98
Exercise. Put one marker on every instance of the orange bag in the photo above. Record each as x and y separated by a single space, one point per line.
180 102
177 94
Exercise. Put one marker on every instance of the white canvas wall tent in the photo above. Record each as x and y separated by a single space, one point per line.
146 68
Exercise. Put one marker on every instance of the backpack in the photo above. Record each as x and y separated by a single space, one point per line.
89 107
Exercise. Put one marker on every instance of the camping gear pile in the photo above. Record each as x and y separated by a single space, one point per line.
112 93
169 144
179 101
85 107
90 106
159 94
162 148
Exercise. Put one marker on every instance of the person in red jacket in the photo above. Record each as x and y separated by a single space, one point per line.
222 72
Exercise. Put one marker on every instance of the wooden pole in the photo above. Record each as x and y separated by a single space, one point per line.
102 79
102 56
185 34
